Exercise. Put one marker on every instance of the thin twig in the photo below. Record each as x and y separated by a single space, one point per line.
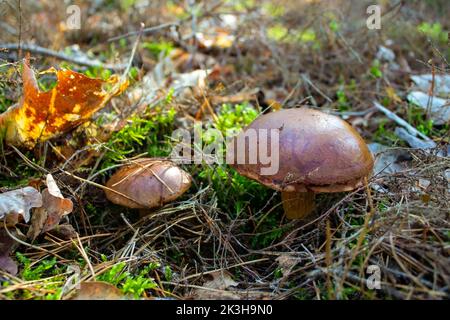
144 31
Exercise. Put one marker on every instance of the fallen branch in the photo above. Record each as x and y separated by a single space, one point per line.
60 55
401 122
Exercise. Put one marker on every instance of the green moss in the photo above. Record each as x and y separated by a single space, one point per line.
135 284
148 134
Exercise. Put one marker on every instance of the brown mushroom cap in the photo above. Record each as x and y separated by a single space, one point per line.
318 152
147 183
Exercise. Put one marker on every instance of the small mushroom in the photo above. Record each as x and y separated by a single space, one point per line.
317 152
147 183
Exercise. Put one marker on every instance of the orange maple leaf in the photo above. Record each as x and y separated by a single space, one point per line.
39 115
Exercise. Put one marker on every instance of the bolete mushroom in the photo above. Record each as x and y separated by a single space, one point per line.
317 152
147 183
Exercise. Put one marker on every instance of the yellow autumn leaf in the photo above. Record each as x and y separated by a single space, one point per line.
39 115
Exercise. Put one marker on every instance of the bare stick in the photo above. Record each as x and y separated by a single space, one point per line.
400 121
144 31
59 55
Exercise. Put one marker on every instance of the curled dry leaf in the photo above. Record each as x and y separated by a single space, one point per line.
39 115
19 202
54 207
98 290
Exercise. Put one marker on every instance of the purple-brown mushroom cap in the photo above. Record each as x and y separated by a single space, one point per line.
318 152
147 183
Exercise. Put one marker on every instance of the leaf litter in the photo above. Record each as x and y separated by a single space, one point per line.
227 60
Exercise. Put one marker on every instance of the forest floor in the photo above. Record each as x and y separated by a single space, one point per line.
221 64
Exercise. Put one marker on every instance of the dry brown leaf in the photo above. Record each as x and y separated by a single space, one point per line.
6 244
39 116
9 265
286 262
54 207
221 280
98 290
64 231
19 202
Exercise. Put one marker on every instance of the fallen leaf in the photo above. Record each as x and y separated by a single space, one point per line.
216 33
385 54
19 202
9 265
6 245
98 290
194 80
54 207
286 263
389 160
155 85
220 282
441 83
64 231
39 115
221 286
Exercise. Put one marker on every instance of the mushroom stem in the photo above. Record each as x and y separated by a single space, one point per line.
298 205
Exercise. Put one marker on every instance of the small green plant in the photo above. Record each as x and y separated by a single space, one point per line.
273 9
50 289
227 183
47 82
156 48
98 72
433 31
234 191
375 70
280 33
115 274
334 26
168 273
417 117
127 4
4 102
342 100
385 135
268 231
44 268
277 32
